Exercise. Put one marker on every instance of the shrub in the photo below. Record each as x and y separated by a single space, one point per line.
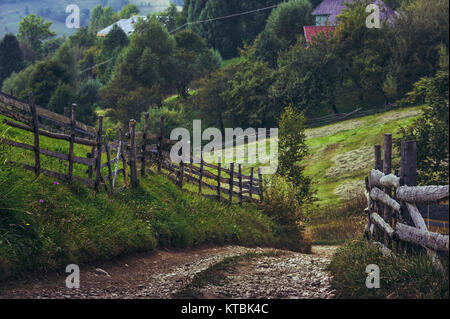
284 209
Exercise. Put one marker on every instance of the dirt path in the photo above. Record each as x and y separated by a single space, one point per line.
162 274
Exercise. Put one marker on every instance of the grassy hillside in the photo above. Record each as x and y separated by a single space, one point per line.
46 225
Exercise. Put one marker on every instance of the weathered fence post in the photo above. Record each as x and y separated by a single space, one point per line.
387 170
408 175
98 164
240 184
231 183
200 179
72 140
124 159
144 144
133 167
37 157
251 183
409 163
90 155
108 158
181 175
160 143
219 169
261 189
378 164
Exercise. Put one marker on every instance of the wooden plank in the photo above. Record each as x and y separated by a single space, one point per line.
375 177
379 221
377 164
144 143
390 181
43 113
240 183
124 161
72 141
218 180
421 237
37 159
133 167
409 163
15 115
416 217
261 190
64 137
108 163
231 184
98 164
201 175
378 195
387 211
423 194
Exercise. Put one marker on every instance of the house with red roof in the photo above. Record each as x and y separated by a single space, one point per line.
326 16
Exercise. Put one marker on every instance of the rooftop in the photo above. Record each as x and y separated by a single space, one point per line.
127 25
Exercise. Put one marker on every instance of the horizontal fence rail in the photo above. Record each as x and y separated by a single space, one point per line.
399 211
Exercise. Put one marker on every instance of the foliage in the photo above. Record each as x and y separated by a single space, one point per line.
229 34
415 41
11 57
292 152
431 130
34 30
143 71
193 60
248 104
211 97
284 208
101 18
307 77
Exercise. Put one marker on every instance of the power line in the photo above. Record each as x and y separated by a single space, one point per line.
224 17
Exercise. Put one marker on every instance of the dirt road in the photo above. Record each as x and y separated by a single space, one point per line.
162 274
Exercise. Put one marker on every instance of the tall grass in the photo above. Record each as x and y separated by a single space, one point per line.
413 277
335 224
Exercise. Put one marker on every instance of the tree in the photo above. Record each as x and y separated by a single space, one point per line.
292 151
61 98
431 130
307 77
364 51
34 30
111 47
419 31
101 18
193 58
148 62
128 11
227 35
11 57
249 103
211 96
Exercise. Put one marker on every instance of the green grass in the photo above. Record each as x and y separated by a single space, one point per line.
401 277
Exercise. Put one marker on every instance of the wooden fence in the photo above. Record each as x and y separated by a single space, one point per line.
397 206
135 151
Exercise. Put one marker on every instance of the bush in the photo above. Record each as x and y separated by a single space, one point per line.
284 209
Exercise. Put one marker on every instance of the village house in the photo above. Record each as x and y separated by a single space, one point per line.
326 16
